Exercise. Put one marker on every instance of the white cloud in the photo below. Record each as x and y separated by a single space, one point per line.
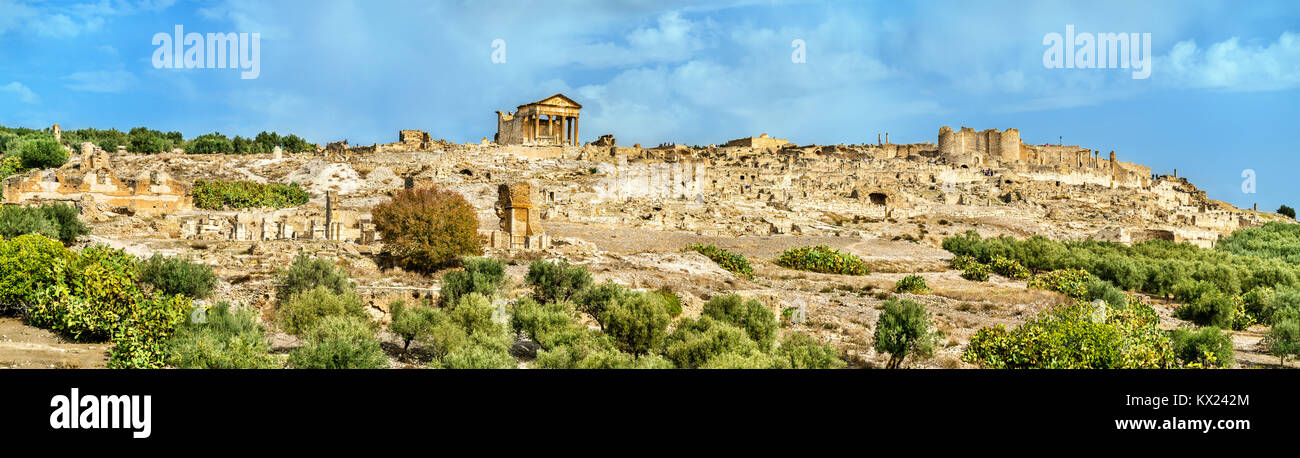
1233 66
108 81
23 93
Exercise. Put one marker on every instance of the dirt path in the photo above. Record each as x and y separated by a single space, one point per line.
26 347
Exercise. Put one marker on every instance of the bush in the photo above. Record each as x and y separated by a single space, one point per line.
912 284
1283 338
638 322
799 351
961 262
427 229
672 303
481 275
903 330
1009 268
976 272
1210 309
757 320
222 340
173 275
1070 282
732 262
556 281
10 166
550 326
697 341
29 266
474 313
822 259
307 273
1073 337
339 342
213 143
1286 211
482 352
140 338
751 360
1206 347
595 299
56 221
414 323
42 153
303 310
92 295
223 195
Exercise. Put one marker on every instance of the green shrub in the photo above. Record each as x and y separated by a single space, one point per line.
42 153
307 273
903 330
339 342
222 340
427 229
56 221
800 351
961 262
29 265
1070 282
1153 266
1286 211
414 323
1283 338
976 272
173 275
1009 268
1205 347
222 195
757 320
15 221
638 322
482 352
1073 337
551 325
696 341
1210 309
474 313
303 310
480 275
10 166
213 143
556 281
140 338
751 360
912 284
594 300
822 259
732 262
1188 290
672 303
94 294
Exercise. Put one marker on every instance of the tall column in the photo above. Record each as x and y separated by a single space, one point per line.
568 130
537 126
576 140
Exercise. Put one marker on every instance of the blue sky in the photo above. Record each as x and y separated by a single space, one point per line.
1222 97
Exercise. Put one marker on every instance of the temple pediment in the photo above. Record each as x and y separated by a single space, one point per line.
557 100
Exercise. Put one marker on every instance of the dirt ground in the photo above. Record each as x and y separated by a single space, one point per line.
26 347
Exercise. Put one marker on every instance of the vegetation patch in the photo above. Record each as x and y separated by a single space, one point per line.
822 259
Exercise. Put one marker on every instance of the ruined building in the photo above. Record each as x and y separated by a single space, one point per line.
148 194
552 121
521 222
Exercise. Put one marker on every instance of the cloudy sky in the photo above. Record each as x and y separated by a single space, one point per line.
1222 96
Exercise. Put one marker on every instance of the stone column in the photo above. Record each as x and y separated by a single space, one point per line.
576 141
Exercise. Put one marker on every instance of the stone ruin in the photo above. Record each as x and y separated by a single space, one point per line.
521 226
